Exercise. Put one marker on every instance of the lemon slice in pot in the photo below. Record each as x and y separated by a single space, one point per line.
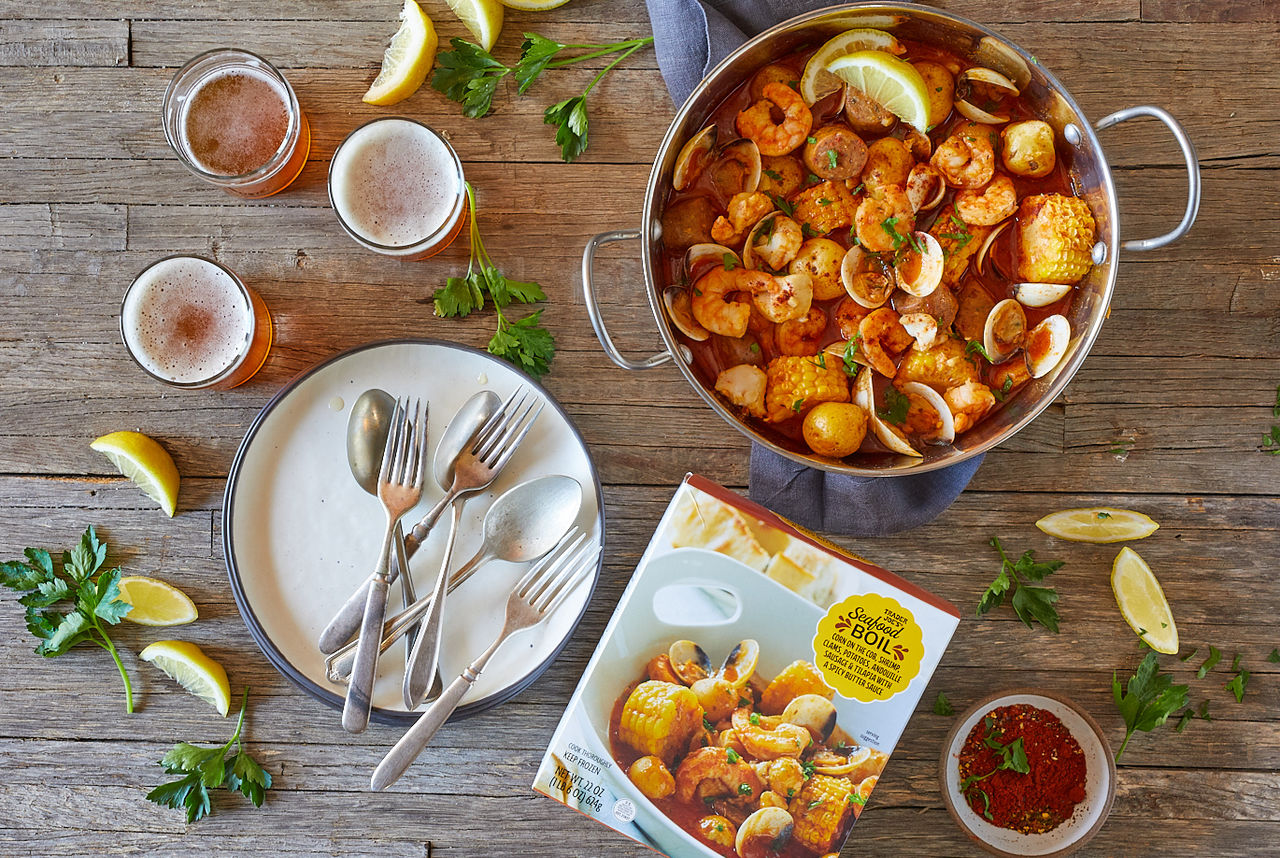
187 664
1097 524
891 82
1142 601
407 60
817 81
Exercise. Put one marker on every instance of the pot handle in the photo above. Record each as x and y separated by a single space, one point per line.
593 306
1193 173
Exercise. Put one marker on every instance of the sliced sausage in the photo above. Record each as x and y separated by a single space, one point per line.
865 114
835 152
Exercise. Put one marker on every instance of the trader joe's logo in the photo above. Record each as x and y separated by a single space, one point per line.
868 647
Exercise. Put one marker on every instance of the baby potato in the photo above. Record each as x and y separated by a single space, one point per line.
835 429
941 87
1028 148
652 777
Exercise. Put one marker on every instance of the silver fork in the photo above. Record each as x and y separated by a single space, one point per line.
542 589
477 467
404 468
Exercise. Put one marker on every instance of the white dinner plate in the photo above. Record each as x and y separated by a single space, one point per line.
299 534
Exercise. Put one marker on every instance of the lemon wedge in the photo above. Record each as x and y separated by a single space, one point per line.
893 83
1100 525
482 17
144 461
1142 602
817 81
407 59
187 664
156 603
534 5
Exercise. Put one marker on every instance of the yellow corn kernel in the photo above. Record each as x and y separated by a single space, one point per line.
1055 239
659 718
959 241
796 384
822 811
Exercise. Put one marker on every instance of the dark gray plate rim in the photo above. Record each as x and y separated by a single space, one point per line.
264 642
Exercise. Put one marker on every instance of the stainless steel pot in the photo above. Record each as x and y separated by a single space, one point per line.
1049 100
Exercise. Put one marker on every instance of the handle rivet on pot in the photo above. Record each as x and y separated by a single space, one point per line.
1099 253
1072 133
686 353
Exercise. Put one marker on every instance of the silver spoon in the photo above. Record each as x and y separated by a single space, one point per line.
522 525
457 435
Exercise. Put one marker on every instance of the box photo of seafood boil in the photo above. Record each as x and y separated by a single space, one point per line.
748 690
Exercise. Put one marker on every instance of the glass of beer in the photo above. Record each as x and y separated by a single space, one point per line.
397 188
235 122
191 322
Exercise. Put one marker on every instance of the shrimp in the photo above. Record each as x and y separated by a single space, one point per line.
849 315
744 210
882 335
803 336
784 775
885 219
966 159
778 298
769 737
707 772
756 122
969 403
988 205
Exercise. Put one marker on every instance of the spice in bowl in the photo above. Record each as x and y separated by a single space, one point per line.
1021 769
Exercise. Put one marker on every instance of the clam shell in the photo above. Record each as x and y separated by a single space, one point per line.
988 77
1047 345
752 252
846 765
679 304
858 288
980 260
740 663
925 278
974 113
747 153
947 433
1005 331
701 258
888 434
837 351
693 157
689 662
925 188
1040 294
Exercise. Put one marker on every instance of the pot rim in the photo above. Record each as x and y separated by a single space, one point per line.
905 466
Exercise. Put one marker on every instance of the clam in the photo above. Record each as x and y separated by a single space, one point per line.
864 278
689 661
888 434
701 258
919 144
680 310
740 663
814 712
919 267
737 170
841 351
947 432
767 829
835 765
976 81
1047 345
925 188
972 112
922 327
990 79
980 260
1040 294
693 158
774 241
1005 331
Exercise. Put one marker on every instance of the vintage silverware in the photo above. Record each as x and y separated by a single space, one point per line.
522 525
473 414
404 468
475 469
534 598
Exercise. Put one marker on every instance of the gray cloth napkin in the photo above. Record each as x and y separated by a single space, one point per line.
690 37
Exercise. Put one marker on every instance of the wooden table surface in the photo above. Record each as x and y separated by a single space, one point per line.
1182 378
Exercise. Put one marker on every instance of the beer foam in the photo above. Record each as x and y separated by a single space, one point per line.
394 182
235 121
185 320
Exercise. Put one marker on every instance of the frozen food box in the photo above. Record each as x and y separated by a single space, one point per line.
748 690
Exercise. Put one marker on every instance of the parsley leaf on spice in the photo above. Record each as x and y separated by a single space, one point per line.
524 342
1029 603
942 706
1147 700
203 769
94 594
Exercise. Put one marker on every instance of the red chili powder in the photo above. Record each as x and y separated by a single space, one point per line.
1031 803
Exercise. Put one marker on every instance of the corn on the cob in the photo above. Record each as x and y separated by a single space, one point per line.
822 811
1055 239
659 718
796 384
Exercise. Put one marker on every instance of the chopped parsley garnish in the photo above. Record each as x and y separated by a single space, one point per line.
973 347
808 231
896 404
824 202
773 174
744 789
733 756
795 406
817 802
811 140
832 158
808 767
787 208
755 716
729 262
850 349
820 360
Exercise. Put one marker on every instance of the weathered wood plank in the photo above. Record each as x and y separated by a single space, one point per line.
56 43
1210 11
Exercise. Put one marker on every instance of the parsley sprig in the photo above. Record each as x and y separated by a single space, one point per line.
469 75
203 769
1013 758
93 591
525 342
1148 699
897 404
1029 603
